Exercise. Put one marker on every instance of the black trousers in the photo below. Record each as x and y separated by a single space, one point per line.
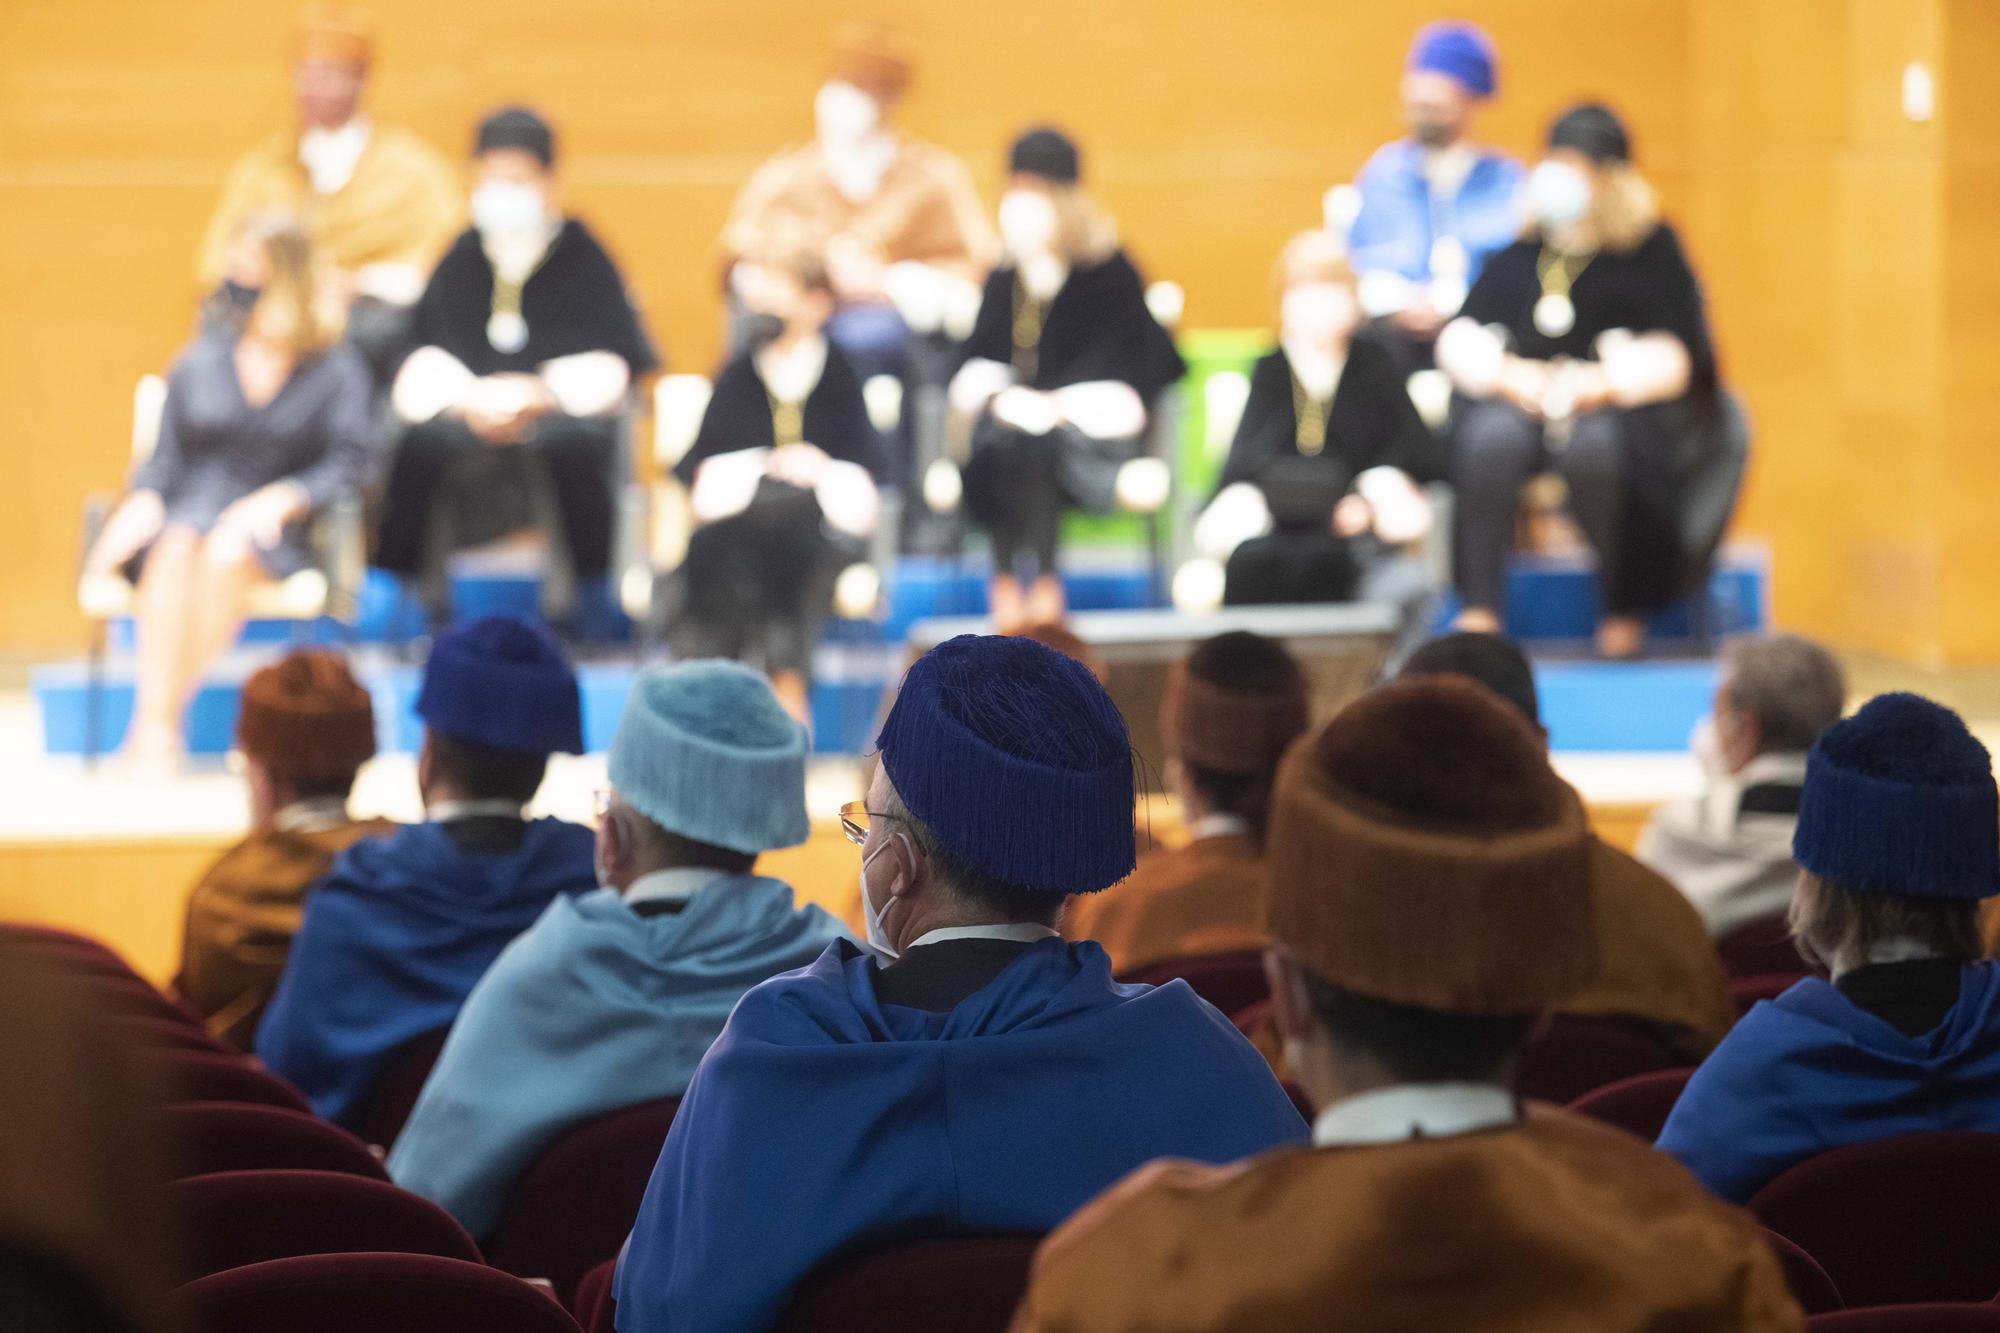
757 586
1291 565
1018 486
1618 465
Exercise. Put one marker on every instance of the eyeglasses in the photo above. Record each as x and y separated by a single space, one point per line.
854 820
600 803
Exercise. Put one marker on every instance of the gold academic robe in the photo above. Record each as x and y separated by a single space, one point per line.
1553 1225
242 916
1206 897
1656 960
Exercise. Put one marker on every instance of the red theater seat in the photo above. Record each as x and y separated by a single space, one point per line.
1909 1319
157 1032
1572 1055
968 1284
1638 1105
208 1137
592 1304
1747 991
378 1114
199 1076
249 1217
1811 1287
72 954
379 1293
1232 982
1761 948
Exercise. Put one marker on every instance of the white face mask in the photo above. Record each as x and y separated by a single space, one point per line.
1318 312
1706 747
1028 223
878 938
507 208
1559 194
843 113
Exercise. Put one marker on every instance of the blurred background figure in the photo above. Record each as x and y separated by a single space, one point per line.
527 347
262 427
379 203
1435 206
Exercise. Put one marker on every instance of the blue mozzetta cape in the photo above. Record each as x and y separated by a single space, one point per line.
594 1008
394 938
823 1119
1399 220
1810 1071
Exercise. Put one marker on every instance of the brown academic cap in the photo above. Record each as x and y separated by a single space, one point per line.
873 57
305 715
337 33
1211 719
1422 851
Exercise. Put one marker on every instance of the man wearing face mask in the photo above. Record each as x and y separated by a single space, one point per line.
990 1075
1584 347
528 345
905 239
1434 206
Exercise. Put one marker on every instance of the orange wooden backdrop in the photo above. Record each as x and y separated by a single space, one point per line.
1849 255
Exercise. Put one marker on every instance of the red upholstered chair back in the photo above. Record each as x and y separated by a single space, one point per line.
200 1076
1938 1318
249 1217
1811 1287
133 996
70 953
1232 982
1746 991
1639 1104
1761 948
378 1113
592 1304
969 1284
1901 1220
576 1202
28 933
1572 1055
381 1293
209 1137
158 1032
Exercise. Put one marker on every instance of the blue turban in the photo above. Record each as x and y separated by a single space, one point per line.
1017 761
504 683
1900 799
1462 51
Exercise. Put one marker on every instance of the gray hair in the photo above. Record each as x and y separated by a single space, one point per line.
1792 686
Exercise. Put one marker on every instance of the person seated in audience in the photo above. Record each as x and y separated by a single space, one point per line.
1435 206
905 237
1584 348
781 479
377 201
527 347
402 927
263 427
1898 841
1319 496
1656 963
1059 378
1430 897
305 727
612 998
1229 711
1729 849
987 1074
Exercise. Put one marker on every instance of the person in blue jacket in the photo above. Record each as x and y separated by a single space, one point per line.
985 1074
612 999
1898 841
402 926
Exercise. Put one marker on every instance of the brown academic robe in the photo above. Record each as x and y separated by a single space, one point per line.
1555 1225
242 916
1656 962
1206 897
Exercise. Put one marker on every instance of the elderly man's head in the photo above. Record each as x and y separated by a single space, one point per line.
1777 694
330 65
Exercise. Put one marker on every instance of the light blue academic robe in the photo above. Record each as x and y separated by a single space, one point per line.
1400 220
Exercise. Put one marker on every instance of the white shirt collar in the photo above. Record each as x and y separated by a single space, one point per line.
444 812
1027 932
791 375
315 814
1405 1111
1217 826
330 156
670 886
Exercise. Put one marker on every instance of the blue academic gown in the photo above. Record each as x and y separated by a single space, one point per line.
1810 1071
594 1008
823 1118
394 938
1399 220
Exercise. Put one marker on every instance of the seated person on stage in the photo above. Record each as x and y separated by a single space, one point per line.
1729 849
781 478
379 203
1429 899
1319 494
1656 964
1059 377
1229 711
527 346
612 998
305 728
1434 206
990 1076
263 426
1897 843
1583 347
905 237
397 933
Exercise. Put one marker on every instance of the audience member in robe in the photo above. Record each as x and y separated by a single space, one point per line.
527 348
378 202
781 479
1729 848
1319 496
905 237
990 1075
612 998
1584 347
1897 843
1059 378
1656 963
305 728
1229 711
1434 207
1430 897
402 927
263 427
